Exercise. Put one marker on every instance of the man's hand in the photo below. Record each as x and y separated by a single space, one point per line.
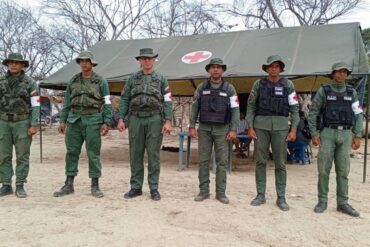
252 134
121 125
166 127
32 130
62 128
316 140
104 129
356 143
292 135
193 133
231 135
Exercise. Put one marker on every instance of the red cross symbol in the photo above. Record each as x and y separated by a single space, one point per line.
196 57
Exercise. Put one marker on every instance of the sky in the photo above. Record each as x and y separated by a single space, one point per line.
360 14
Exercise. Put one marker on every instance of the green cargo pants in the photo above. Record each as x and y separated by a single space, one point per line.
208 139
76 134
277 139
145 133
14 133
335 145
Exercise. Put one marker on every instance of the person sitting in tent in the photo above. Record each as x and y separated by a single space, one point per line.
241 143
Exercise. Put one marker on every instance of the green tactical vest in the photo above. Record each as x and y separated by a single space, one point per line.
16 100
146 96
86 95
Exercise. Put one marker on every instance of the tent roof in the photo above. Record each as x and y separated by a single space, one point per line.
307 51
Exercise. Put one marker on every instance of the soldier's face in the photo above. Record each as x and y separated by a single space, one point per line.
86 65
147 63
274 69
215 71
15 67
340 76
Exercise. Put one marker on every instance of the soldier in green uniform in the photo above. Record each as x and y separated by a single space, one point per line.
146 108
85 117
339 112
216 103
19 112
271 100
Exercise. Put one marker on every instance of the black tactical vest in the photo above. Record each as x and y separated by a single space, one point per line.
273 98
338 107
16 100
214 104
86 95
146 96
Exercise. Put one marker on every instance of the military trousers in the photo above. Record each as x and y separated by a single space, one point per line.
207 139
76 134
14 134
335 145
145 133
277 140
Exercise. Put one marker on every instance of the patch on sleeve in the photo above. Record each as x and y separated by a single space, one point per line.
168 97
293 98
107 100
234 101
356 107
35 101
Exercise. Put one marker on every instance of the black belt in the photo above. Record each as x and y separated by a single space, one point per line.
339 127
145 114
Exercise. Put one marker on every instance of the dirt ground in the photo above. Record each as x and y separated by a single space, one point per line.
176 220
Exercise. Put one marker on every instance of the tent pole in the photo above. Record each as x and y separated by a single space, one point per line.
366 131
40 130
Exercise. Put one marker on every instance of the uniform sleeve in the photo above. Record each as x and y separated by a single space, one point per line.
357 110
107 105
293 105
35 103
66 104
252 103
317 103
125 99
234 104
195 106
167 97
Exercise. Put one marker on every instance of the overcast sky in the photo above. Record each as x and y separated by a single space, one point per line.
361 14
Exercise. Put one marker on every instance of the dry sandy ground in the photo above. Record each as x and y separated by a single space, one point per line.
176 220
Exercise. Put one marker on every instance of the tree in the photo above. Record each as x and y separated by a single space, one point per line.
280 13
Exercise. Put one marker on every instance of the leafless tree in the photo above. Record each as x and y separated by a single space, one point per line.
279 13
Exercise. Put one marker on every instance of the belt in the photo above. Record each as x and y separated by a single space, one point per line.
14 117
339 127
85 111
144 113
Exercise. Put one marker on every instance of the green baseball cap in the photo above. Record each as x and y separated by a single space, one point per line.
15 57
339 66
86 55
272 59
217 61
146 52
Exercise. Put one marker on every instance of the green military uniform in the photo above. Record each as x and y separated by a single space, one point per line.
19 109
86 106
271 130
146 102
335 143
212 133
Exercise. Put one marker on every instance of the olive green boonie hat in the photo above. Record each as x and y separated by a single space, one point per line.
86 55
339 66
146 52
272 59
15 57
216 61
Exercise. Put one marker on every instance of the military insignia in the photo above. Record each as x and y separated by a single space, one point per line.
331 97
223 94
234 101
293 98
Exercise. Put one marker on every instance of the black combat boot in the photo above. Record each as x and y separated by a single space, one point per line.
201 196
320 207
133 193
67 188
222 197
348 209
20 192
6 189
95 190
258 200
282 204
154 194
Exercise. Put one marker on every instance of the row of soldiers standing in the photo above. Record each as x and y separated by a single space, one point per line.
146 109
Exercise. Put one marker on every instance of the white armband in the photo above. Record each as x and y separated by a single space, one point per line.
107 100
356 107
293 98
35 101
234 101
168 97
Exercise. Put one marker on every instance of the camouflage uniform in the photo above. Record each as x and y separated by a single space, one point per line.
19 109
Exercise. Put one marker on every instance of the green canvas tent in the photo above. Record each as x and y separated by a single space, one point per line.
308 51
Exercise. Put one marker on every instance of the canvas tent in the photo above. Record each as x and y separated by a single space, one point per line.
308 51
